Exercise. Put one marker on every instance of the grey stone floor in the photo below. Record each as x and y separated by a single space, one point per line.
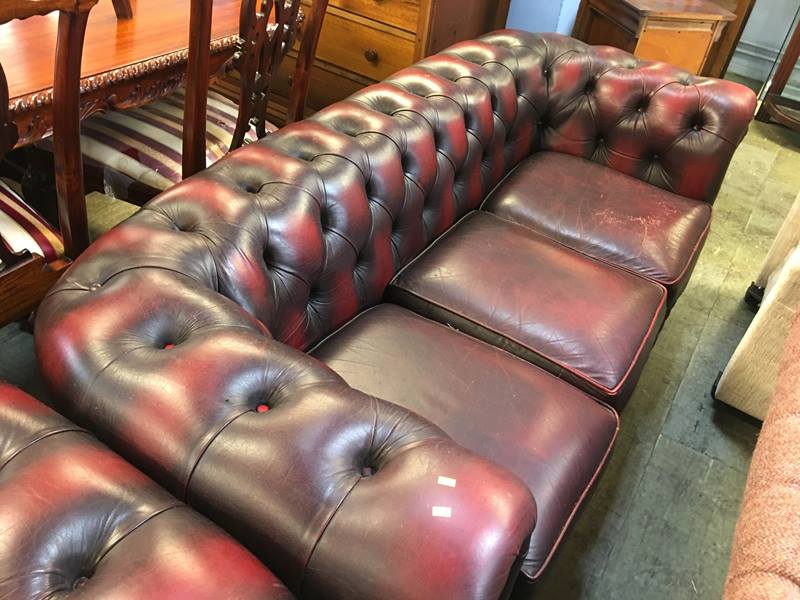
659 523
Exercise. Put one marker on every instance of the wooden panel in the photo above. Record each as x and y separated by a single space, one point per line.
329 84
602 31
685 45
680 9
722 51
364 46
23 286
445 22
398 13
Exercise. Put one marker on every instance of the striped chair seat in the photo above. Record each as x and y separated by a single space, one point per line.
137 152
22 228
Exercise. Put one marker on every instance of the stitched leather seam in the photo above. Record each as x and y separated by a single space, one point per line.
203 449
42 436
144 521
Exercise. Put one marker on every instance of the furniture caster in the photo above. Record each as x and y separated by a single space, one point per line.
753 296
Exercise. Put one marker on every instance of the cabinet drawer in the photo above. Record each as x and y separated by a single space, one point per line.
398 13
326 86
364 46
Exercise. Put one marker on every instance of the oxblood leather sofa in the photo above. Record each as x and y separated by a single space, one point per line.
182 336
74 517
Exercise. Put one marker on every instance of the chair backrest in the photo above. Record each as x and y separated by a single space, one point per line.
73 15
267 31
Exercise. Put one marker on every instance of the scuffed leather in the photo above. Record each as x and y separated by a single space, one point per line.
606 215
75 518
553 436
583 320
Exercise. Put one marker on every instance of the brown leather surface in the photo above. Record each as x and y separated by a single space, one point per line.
76 518
171 331
326 485
551 435
584 320
607 215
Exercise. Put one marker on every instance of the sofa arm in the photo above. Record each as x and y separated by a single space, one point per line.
649 120
340 494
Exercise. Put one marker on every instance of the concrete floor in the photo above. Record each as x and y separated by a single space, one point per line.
660 522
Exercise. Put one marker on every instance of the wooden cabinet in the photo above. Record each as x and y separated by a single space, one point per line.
681 32
364 41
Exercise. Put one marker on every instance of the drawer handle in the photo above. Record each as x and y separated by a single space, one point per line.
371 55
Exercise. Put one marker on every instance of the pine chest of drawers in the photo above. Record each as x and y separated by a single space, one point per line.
364 41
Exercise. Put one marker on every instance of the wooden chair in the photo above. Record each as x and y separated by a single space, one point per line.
135 154
33 254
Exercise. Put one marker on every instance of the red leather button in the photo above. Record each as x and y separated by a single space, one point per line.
262 408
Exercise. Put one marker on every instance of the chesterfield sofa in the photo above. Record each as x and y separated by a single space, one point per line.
75 517
386 347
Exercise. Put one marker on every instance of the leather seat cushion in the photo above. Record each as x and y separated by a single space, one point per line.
584 320
141 148
607 215
22 228
553 436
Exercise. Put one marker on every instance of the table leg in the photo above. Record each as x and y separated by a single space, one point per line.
123 9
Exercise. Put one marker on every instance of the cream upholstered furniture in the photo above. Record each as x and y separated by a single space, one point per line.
748 381
764 562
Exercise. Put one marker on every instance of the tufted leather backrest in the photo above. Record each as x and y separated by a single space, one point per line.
74 517
305 228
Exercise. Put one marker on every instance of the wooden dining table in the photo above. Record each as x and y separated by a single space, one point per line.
126 62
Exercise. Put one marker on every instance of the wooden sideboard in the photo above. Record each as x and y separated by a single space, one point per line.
364 41
681 32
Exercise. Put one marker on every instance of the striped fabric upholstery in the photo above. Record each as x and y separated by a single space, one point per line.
144 145
22 228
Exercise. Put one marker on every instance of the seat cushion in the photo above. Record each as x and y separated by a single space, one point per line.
22 228
584 320
553 436
607 215
139 150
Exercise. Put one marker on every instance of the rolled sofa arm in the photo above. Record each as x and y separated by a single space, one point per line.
650 120
342 495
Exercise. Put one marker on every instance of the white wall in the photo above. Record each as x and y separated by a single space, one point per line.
543 15
762 39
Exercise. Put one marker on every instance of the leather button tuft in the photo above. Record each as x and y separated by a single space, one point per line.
262 408
79 583
367 471
169 346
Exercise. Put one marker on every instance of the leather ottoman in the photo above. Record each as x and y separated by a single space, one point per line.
76 518
553 436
